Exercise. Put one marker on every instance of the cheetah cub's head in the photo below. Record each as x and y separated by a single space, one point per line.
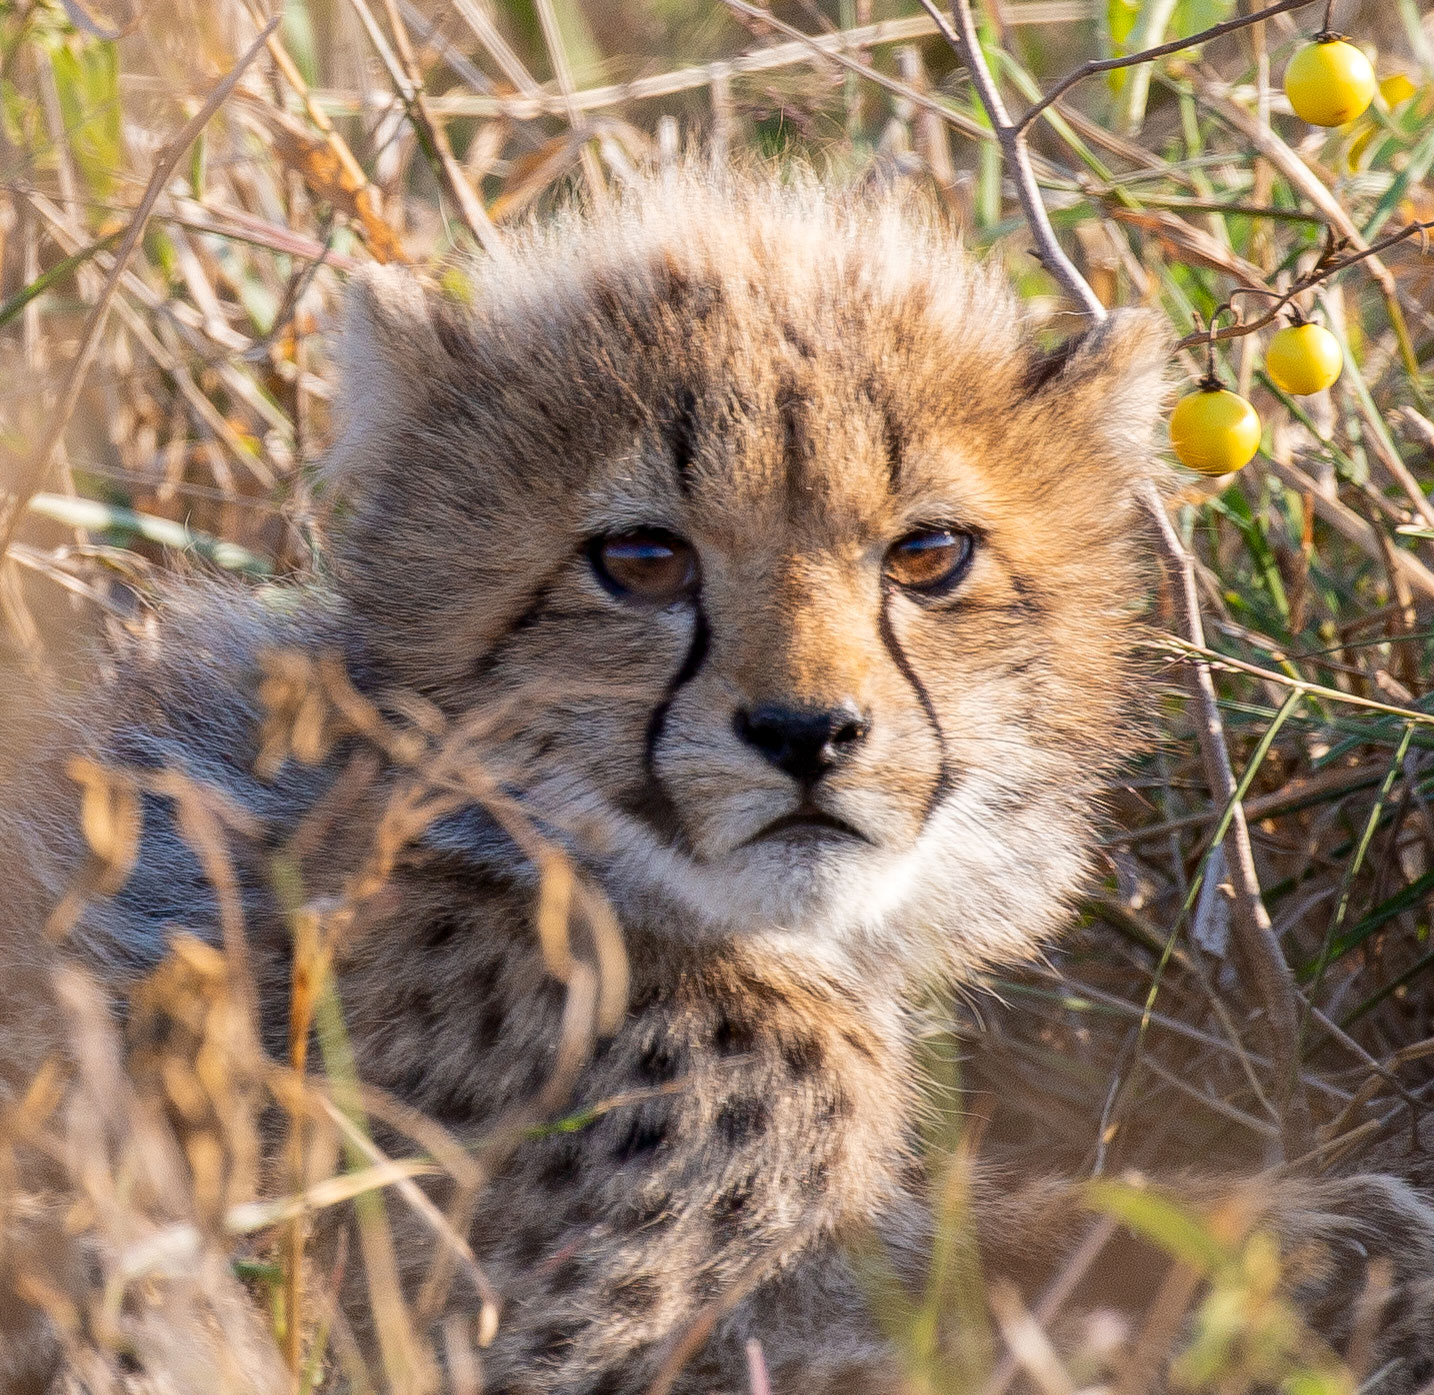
800 579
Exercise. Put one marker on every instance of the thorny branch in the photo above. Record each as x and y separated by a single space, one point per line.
1323 270
1109 65
1011 136
1273 980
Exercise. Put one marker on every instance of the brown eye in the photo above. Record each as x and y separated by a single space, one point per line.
648 564
929 560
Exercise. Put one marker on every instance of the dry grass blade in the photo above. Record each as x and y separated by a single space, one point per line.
34 476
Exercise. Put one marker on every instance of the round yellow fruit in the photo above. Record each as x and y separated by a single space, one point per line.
1214 431
1329 82
1303 359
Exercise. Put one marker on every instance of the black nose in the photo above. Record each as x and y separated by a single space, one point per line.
806 742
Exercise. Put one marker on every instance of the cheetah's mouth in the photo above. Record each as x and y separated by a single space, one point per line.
807 823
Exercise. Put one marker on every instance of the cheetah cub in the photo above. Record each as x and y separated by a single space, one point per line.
797 585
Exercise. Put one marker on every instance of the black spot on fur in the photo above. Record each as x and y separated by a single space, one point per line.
893 443
410 1084
1044 367
729 1208
566 1277
658 1063
833 1105
612 1382
796 445
451 1104
734 1036
561 1168
442 930
645 1134
553 1340
681 433
797 340
804 1055
537 1071
1029 604
862 1048
489 1027
532 1246
580 1213
526 619
743 1119
453 332
914 1178
421 1006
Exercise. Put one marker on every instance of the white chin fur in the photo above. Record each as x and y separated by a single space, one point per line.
945 901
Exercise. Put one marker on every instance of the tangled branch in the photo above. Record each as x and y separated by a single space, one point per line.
1323 270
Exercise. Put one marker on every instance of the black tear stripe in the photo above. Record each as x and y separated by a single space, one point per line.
681 437
944 783
653 805
691 666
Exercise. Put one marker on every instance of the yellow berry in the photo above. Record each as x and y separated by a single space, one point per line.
1329 82
1214 431
1304 358
1396 88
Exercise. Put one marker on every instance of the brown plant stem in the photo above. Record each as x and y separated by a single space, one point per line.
964 39
1274 983
1308 281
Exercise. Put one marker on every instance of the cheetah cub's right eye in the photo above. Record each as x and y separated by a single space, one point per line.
648 565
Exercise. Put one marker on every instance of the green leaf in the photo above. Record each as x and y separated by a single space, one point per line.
53 276
1420 159
87 82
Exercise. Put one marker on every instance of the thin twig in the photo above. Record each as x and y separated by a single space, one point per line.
372 227
1109 65
532 100
408 83
167 162
1308 281
1213 658
964 39
1274 983
562 71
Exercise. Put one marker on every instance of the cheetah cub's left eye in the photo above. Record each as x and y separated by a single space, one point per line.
929 561
649 565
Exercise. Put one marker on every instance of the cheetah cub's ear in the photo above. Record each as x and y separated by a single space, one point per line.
1107 388
396 338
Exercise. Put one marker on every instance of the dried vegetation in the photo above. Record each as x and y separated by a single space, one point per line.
185 191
